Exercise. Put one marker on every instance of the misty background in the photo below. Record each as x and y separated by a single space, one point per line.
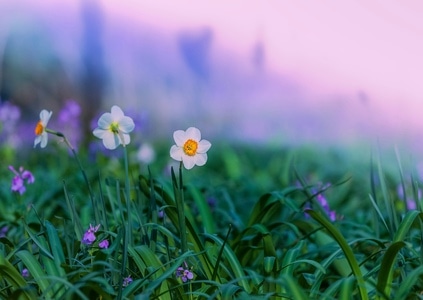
172 73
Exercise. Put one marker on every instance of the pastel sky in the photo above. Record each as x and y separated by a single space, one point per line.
332 46
366 44
372 48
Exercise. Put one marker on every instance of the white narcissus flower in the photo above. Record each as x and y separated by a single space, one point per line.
41 129
190 148
114 128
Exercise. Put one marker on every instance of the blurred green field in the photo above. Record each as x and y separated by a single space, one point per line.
257 222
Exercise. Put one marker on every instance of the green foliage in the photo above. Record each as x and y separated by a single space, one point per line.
249 224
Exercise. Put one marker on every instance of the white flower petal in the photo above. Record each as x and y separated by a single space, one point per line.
193 133
110 140
200 159
45 117
180 137
105 120
98 132
37 140
126 124
117 113
189 161
126 138
176 153
44 140
203 146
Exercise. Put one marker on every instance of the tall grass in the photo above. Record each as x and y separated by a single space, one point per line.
246 225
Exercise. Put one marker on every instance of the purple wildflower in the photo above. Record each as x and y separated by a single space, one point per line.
21 177
104 244
410 201
25 272
3 231
89 235
127 281
9 117
69 120
184 273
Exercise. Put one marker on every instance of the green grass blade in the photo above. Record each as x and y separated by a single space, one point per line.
295 291
385 276
56 247
236 267
347 289
406 224
36 271
349 255
408 283
14 278
204 210
379 213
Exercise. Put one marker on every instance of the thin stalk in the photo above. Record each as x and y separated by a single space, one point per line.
178 190
128 196
59 134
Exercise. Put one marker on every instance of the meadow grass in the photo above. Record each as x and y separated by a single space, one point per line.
255 222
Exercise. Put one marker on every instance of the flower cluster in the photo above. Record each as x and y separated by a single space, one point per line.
89 235
21 178
114 128
184 273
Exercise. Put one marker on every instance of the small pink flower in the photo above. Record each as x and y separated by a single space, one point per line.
104 244
89 235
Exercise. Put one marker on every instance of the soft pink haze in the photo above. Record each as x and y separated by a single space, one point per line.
358 59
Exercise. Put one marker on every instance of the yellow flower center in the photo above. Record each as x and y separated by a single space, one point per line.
39 128
190 147
114 127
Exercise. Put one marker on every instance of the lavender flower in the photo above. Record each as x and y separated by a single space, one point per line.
104 244
20 179
127 281
89 235
69 121
184 273
325 205
410 201
3 231
25 272
9 116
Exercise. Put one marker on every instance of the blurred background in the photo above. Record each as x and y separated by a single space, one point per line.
278 72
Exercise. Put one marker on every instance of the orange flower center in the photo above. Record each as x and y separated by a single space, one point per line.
190 147
39 129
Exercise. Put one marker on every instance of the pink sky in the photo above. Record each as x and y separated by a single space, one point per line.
370 45
328 47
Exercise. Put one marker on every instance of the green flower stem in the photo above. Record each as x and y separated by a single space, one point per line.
59 134
128 196
178 190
